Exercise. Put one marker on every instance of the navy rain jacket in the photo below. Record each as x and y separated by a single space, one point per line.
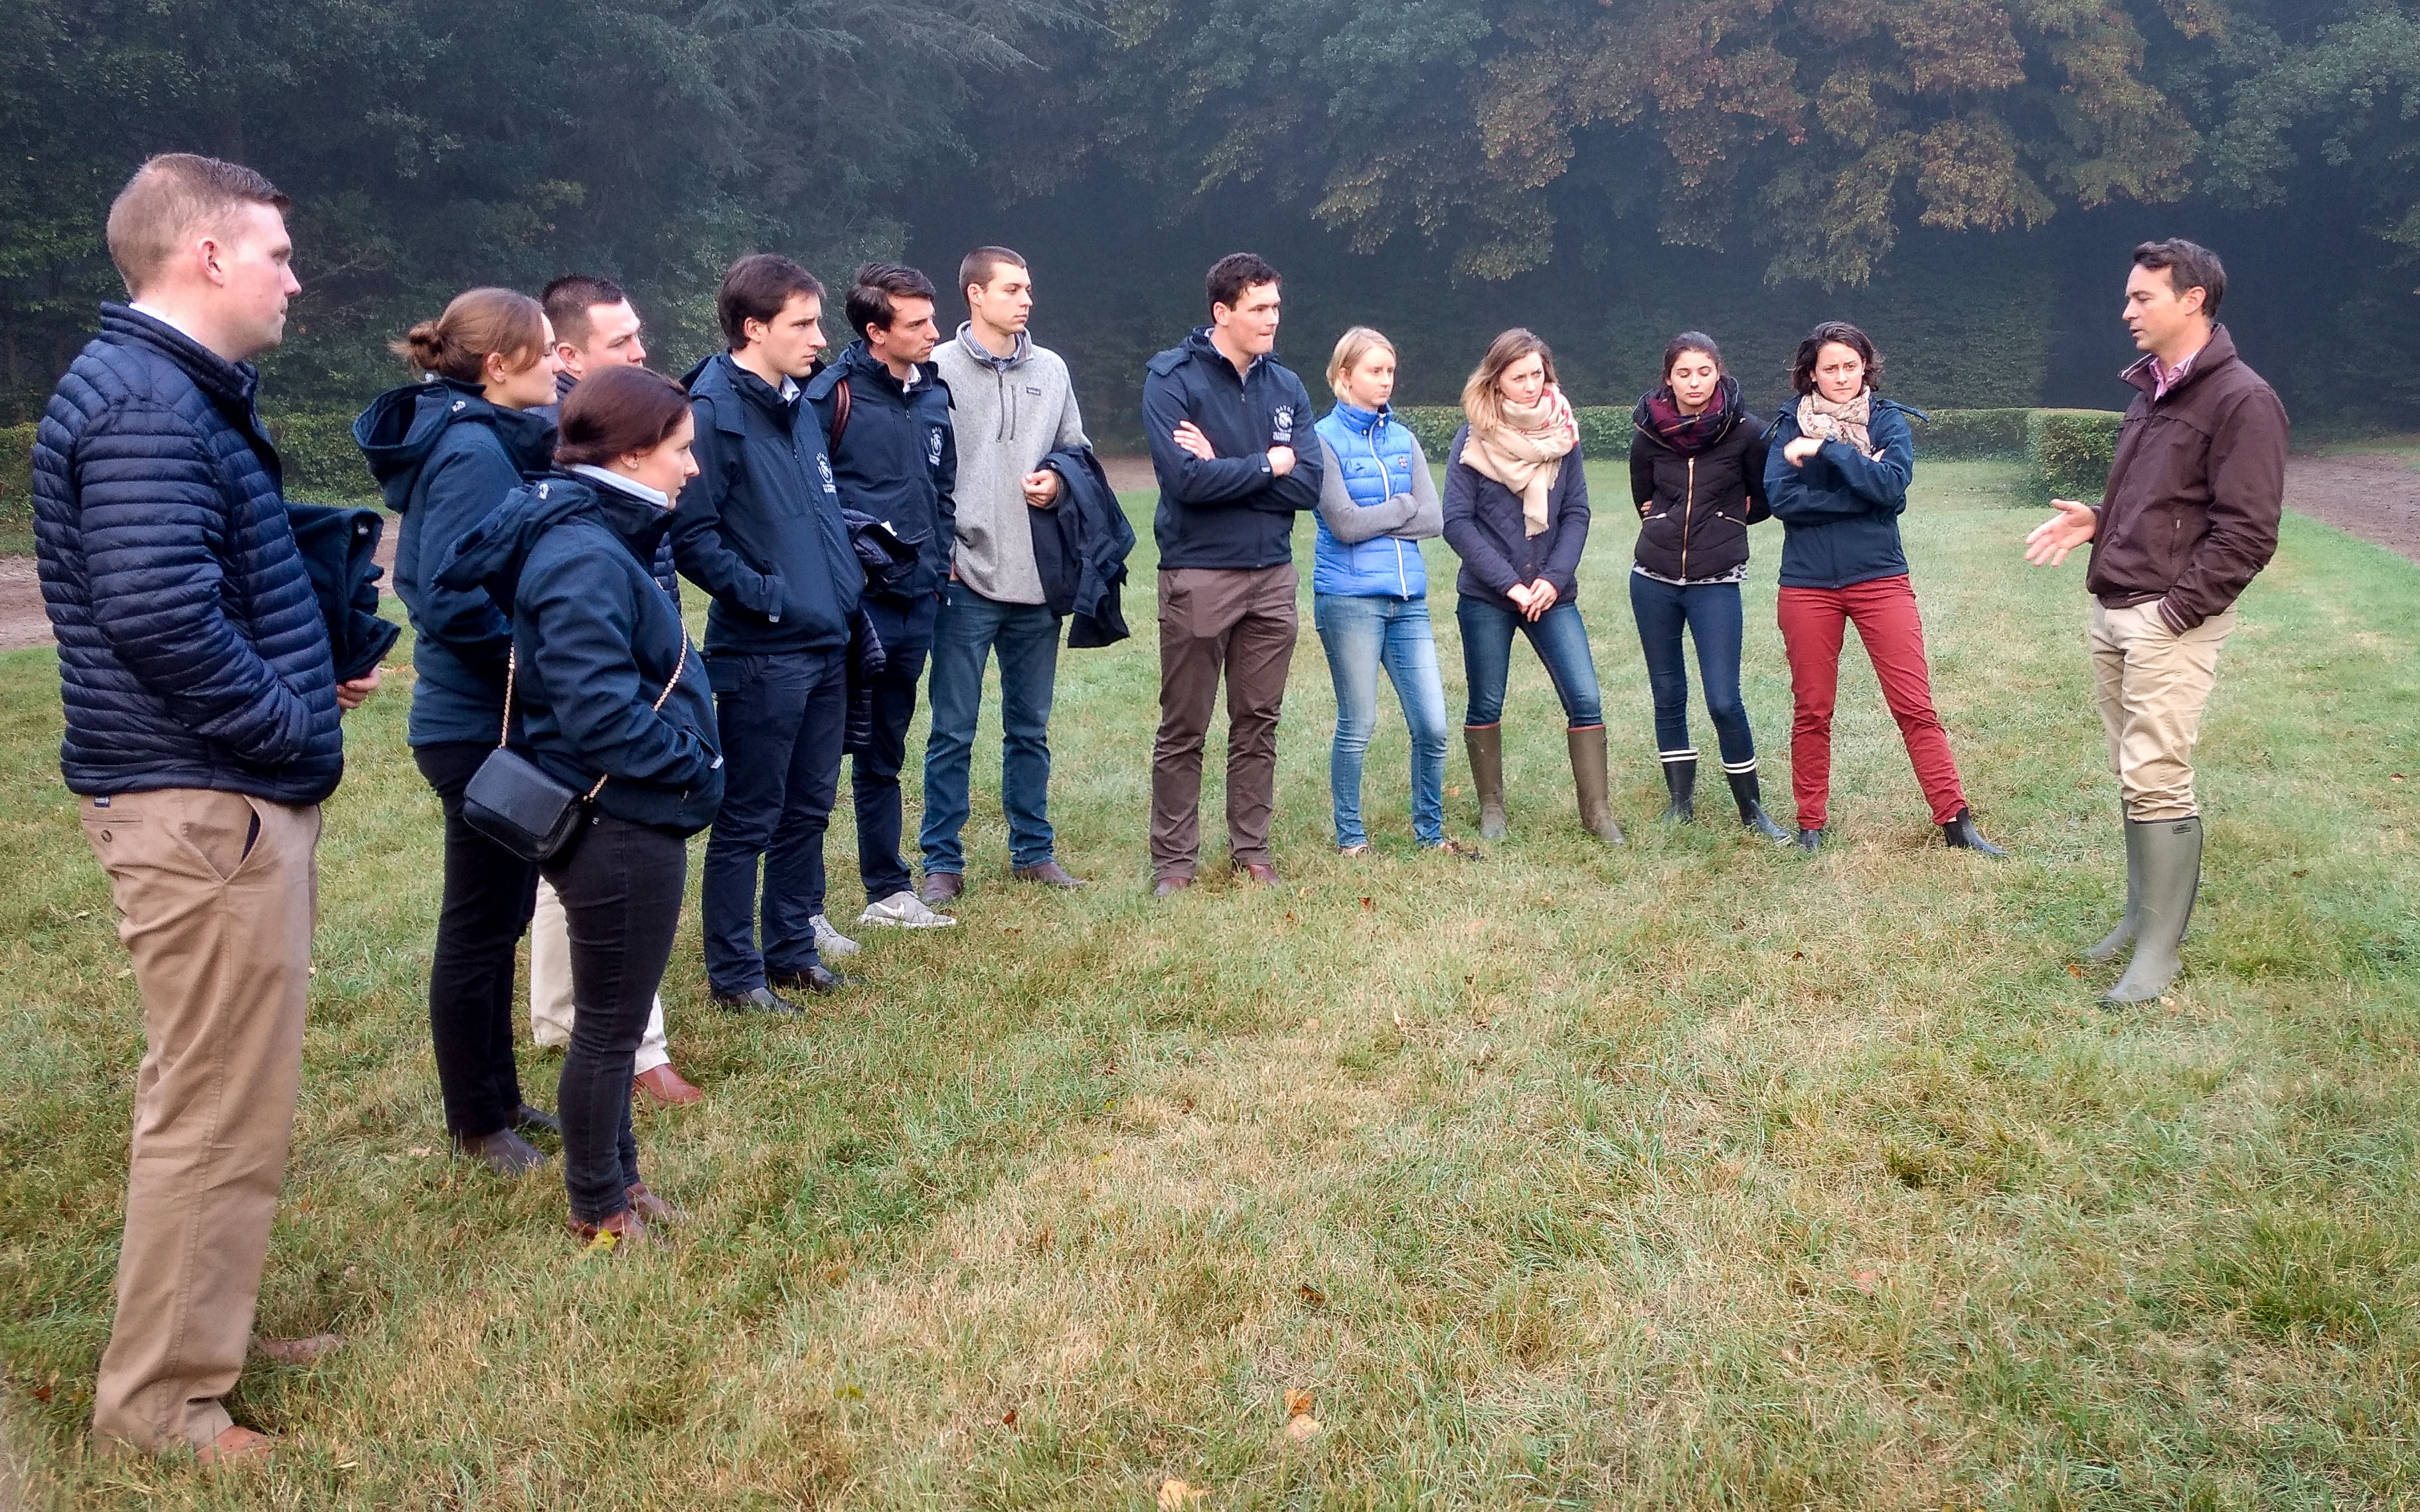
759 527
445 459
666 567
192 649
897 461
595 641
1840 513
1229 511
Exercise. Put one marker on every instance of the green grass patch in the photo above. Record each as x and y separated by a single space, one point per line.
1687 1175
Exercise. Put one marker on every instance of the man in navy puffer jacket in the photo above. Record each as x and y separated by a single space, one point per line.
202 708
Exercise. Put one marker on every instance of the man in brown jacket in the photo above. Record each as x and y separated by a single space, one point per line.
2189 519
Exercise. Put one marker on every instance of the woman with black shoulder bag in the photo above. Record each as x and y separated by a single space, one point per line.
614 708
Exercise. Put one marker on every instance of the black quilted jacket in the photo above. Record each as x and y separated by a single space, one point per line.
192 649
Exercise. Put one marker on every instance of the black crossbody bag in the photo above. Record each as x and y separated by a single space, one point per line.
521 808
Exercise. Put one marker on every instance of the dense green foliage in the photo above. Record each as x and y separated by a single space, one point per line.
1963 175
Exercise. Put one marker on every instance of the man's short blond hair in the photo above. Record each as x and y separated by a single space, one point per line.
172 198
1351 348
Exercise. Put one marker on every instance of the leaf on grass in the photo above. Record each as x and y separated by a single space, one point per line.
1298 1401
1369 902
2075 970
2396 776
1008 1419
1174 1495
1867 1281
1299 1429
1312 1297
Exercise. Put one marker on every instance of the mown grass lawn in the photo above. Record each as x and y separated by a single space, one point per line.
1688 1175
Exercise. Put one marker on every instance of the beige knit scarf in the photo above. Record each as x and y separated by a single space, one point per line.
1526 452
1825 421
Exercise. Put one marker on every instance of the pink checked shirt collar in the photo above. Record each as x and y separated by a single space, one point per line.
2163 377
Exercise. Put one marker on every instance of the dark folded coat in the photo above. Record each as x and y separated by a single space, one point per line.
339 549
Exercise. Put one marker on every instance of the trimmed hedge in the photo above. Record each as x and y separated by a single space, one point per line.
320 459
2066 452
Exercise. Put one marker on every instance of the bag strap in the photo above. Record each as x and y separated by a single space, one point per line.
840 414
511 663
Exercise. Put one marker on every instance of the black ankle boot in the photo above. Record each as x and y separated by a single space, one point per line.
1681 781
1810 840
1961 834
1749 795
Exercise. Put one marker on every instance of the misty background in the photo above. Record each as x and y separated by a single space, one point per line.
1964 177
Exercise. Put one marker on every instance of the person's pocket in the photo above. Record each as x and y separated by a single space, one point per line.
220 828
732 674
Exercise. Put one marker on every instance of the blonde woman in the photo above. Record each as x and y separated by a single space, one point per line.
1370 587
1516 512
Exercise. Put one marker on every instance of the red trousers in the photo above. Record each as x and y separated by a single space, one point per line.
1884 611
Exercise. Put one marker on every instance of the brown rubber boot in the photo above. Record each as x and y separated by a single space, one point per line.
1588 776
1486 748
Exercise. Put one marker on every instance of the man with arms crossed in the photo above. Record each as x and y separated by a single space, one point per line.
1012 404
202 742
593 327
2189 519
759 528
1223 415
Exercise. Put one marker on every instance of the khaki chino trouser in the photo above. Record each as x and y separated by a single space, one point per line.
2153 685
216 895
1240 621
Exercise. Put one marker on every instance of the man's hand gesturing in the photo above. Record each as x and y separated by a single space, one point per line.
2048 543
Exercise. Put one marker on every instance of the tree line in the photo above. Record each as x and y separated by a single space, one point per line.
1461 145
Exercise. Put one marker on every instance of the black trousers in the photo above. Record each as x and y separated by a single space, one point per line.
621 889
489 896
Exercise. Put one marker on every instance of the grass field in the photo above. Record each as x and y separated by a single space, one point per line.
1688 1175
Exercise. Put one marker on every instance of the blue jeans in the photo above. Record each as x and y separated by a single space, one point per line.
1712 613
1561 643
781 717
1026 636
1361 635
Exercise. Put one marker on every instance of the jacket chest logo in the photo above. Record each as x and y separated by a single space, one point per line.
823 468
1281 423
933 448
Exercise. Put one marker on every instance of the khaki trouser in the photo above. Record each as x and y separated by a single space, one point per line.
216 895
2152 685
1240 621
550 986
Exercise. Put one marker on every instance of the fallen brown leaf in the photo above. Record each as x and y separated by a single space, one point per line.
1867 1281
2075 970
1369 902
1008 1419
1174 1494
1299 1429
1312 1296
1298 1401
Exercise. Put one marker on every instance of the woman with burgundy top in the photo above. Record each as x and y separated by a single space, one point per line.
1697 474
1837 477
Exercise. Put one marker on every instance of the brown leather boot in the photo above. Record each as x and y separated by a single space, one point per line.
1589 777
1486 747
625 1230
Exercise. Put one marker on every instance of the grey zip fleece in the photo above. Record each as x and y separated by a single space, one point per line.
1009 413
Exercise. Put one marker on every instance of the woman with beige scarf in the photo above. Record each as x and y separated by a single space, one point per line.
1516 512
1837 477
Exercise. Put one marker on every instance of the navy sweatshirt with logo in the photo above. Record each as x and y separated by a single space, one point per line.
895 461
1229 511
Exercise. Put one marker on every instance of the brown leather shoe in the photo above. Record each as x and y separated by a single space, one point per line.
1256 873
940 888
625 1228
1049 874
234 1442
665 1085
1170 887
504 1152
653 1209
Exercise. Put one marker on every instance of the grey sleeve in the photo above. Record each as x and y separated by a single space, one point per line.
1071 419
1348 522
1428 514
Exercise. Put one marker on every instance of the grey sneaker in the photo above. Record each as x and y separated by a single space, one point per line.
906 910
830 941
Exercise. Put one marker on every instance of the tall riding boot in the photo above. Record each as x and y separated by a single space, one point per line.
1589 777
2171 877
1681 781
1486 748
2123 935
1749 795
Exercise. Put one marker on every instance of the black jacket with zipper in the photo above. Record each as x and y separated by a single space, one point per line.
1694 509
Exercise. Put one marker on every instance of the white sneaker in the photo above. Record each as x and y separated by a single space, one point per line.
904 909
830 941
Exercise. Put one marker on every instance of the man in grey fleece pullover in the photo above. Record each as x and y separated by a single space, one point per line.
1010 406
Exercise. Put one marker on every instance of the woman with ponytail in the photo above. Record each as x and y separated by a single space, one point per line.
1697 474
1837 475
1516 512
446 450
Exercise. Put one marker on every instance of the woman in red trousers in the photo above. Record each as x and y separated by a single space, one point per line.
1836 477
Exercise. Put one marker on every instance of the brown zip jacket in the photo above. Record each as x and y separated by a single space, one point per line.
2195 489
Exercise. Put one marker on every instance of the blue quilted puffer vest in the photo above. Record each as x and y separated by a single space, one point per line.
1375 457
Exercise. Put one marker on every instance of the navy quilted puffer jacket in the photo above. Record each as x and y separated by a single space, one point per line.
192 649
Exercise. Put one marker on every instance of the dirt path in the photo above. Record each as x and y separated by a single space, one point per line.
2375 497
